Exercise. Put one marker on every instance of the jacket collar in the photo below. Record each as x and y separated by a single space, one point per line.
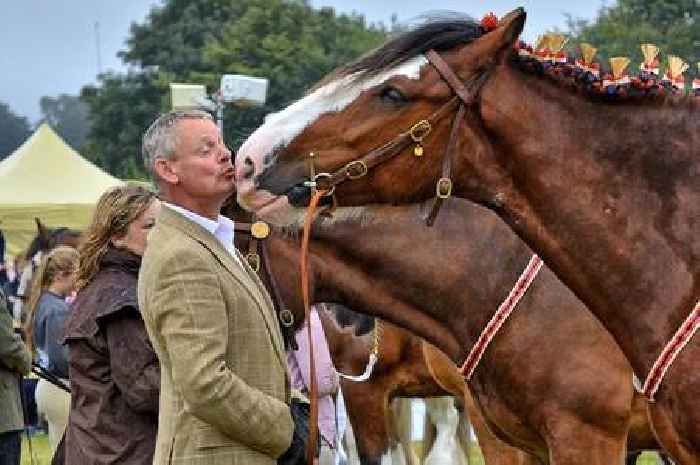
240 270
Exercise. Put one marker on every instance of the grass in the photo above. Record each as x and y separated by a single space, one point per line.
40 447
42 452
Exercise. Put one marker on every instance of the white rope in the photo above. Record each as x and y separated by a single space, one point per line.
367 373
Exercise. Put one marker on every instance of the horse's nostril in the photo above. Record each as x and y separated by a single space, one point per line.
248 168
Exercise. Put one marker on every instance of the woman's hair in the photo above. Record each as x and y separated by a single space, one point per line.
62 259
115 211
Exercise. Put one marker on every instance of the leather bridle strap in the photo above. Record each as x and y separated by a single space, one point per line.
284 315
255 260
361 166
443 188
463 99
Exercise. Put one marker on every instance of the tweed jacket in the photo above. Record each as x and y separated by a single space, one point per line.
15 359
224 383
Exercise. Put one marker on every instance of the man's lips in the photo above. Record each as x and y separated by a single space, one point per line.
229 173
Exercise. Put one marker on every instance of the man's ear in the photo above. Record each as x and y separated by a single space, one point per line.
164 170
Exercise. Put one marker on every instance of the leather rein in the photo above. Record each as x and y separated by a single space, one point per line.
258 259
464 98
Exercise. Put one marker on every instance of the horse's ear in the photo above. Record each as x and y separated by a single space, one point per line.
501 40
42 231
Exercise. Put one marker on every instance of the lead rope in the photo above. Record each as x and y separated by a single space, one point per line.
313 389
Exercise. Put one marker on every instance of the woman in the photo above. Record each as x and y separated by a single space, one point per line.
53 281
115 378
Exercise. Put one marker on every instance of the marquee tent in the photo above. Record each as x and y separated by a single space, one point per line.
46 179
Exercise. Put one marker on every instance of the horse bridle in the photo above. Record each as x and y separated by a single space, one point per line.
462 99
258 232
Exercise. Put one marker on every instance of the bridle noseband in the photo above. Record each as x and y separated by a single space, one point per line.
464 98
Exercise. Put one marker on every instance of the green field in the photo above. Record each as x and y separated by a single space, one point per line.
42 454
40 447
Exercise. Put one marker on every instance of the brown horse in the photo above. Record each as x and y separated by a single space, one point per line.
407 367
606 192
553 382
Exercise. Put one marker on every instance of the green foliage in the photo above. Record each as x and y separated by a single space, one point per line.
122 107
672 25
289 43
197 41
15 129
68 116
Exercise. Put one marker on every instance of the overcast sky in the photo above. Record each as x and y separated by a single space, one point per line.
49 47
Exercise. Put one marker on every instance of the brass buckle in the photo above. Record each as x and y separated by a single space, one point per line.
420 130
443 188
253 260
363 169
324 176
260 230
286 317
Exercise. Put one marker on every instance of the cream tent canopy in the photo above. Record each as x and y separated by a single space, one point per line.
46 179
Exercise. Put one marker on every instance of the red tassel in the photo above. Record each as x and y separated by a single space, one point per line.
489 22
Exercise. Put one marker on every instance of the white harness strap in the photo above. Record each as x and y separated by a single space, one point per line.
367 373
504 310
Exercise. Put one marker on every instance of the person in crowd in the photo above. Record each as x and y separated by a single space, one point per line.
3 269
114 371
15 362
47 312
326 376
225 387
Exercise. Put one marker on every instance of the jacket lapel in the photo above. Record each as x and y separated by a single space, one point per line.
241 272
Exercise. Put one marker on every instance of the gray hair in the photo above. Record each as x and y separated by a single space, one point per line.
160 139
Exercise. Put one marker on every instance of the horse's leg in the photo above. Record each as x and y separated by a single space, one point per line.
446 449
464 434
402 410
429 434
573 442
662 422
494 451
631 458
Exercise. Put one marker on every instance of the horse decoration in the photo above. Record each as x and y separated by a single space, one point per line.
597 175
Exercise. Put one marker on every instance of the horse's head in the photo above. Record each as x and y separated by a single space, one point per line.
48 238
372 106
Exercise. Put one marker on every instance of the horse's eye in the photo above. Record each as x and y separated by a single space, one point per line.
392 95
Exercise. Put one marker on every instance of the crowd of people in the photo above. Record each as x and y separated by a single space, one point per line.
156 340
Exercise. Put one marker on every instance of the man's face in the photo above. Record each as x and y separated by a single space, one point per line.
202 163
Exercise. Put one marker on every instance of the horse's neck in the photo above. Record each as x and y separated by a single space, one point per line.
419 290
611 213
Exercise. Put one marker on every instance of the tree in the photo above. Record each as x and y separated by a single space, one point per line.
197 41
15 130
289 43
68 116
122 107
672 25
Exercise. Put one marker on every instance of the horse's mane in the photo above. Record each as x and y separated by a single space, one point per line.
568 77
437 31
447 30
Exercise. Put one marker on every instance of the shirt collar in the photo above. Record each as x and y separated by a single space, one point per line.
223 228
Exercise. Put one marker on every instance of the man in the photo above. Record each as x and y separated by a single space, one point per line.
15 360
224 383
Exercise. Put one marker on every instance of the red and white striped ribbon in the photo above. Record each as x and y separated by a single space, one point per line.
679 340
504 310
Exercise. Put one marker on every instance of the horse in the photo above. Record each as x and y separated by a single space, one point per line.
553 383
407 366
602 186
